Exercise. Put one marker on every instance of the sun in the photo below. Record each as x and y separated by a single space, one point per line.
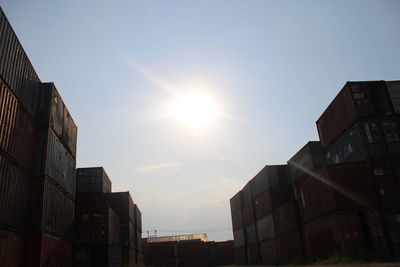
195 109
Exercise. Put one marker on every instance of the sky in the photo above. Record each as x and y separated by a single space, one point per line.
271 68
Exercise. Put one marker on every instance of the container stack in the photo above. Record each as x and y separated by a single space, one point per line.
115 214
54 180
344 190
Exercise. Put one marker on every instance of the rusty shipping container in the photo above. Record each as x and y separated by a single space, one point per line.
92 180
12 249
334 233
53 113
286 218
17 129
55 162
263 205
366 139
308 159
96 225
271 176
46 250
122 204
393 88
15 68
266 228
269 252
314 195
15 195
53 209
290 247
356 100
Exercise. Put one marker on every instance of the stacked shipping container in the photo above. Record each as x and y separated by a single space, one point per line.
346 189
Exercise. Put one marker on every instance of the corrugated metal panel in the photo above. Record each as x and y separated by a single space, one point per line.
236 202
262 205
247 198
270 176
92 180
290 247
248 214
280 196
352 185
321 239
251 234
351 231
314 195
240 255
238 236
17 131
393 88
12 250
355 100
55 162
237 219
308 158
16 69
128 257
45 251
114 256
268 250
266 228
253 254
58 211
15 195
138 218
53 113
286 218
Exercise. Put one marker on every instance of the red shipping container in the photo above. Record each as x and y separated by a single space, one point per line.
356 100
15 195
286 218
12 249
17 129
48 251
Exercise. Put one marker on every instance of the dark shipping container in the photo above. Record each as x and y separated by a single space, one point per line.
45 251
393 88
366 139
17 129
56 210
225 252
15 195
96 225
356 100
237 219
15 68
98 256
263 205
266 228
309 158
240 255
12 249
55 162
239 238
253 254
128 257
392 220
53 113
236 202
286 218
290 247
92 180
268 251
271 176
251 234
248 214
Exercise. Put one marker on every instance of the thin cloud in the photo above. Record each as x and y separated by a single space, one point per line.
155 167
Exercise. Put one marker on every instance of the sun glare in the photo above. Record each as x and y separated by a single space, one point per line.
195 109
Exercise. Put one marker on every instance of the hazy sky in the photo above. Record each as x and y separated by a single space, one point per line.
271 67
